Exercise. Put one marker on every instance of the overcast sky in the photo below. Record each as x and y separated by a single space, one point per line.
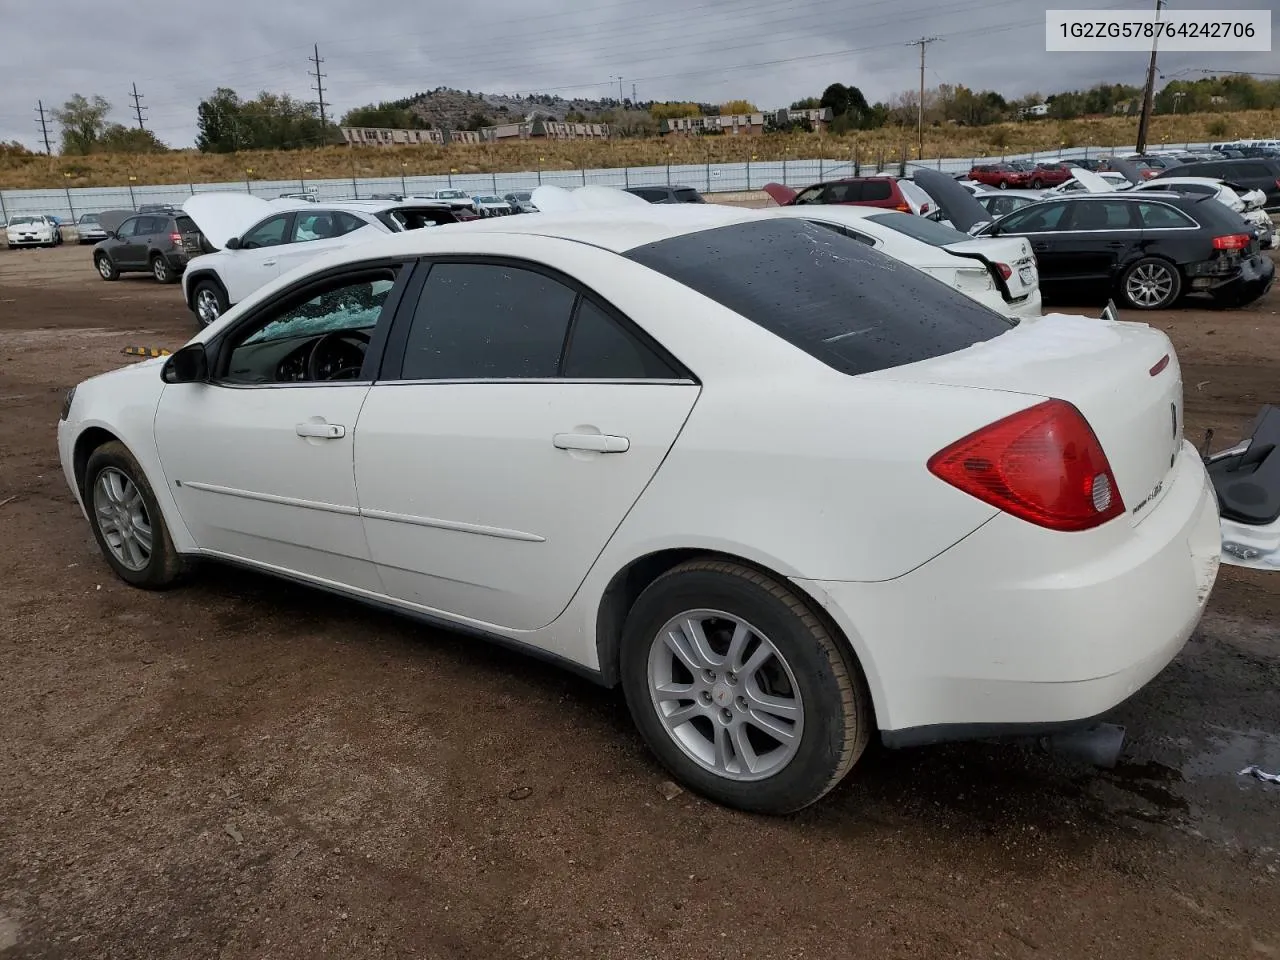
769 51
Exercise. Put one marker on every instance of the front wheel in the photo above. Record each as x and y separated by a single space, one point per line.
209 302
1004 184
126 519
1037 184
1150 284
106 267
742 692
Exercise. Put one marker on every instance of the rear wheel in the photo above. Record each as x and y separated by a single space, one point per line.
742 692
1151 284
1003 184
209 302
161 270
126 519
106 268
1037 184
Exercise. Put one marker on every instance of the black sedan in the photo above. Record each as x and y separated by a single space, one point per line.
1148 250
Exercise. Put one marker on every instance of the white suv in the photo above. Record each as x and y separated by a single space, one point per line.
257 240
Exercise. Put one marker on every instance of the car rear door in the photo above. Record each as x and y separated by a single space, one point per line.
1098 237
516 421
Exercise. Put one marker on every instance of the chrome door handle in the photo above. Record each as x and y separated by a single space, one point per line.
321 431
268 263
598 442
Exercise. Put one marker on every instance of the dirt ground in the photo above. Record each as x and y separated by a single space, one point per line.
247 769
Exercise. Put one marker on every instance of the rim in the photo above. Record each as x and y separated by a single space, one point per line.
160 268
207 308
725 695
1149 285
122 519
104 266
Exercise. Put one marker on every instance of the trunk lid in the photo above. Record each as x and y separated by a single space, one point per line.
1015 252
781 195
1123 377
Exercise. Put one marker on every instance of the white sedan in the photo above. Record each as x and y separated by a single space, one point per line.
29 231
782 489
999 272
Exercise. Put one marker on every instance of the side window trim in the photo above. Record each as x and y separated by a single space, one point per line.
391 360
217 346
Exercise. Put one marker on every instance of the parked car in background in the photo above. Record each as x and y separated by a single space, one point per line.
161 244
1115 181
887 193
521 201
1000 202
36 230
1147 249
158 208
89 229
458 199
668 194
1084 163
999 273
488 205
1049 173
988 528
1229 195
999 175
1254 173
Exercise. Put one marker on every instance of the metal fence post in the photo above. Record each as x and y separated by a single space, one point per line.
784 170
708 176
133 203
4 217
70 206
821 169
748 174
626 176
584 176
495 182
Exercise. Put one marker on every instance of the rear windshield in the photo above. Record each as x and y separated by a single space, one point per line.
186 225
921 228
836 299
689 195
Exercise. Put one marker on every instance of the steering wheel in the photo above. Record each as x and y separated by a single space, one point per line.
317 355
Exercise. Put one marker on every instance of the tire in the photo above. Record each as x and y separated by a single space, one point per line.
122 508
804 666
106 267
161 270
1003 184
208 302
1037 185
1151 283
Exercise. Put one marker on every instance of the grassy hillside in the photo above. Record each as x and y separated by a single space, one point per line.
186 166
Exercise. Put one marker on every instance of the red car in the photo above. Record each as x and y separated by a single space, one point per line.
1050 174
1002 175
891 193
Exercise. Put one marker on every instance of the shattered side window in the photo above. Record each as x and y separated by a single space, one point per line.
353 307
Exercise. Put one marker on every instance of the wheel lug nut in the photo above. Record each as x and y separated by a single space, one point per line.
742 703
705 696
709 676
731 677
726 715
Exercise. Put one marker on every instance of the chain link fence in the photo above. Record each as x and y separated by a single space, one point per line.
710 178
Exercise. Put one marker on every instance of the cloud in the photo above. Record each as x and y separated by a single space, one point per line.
769 51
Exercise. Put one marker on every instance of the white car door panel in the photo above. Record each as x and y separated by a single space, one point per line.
257 261
490 501
266 474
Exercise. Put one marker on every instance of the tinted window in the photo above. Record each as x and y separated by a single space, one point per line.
269 233
1202 189
1101 215
186 225
842 302
845 232
1252 170
844 192
1034 219
998 205
688 195
877 190
148 225
487 321
126 229
346 223
928 231
600 349
1157 216
811 195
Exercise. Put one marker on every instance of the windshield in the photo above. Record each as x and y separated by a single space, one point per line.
491 200
520 197
451 195
843 303
89 218
17 220
920 228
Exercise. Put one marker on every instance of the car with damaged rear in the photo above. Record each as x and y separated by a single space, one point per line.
785 493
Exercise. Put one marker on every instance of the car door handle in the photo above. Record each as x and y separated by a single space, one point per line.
599 442
321 431
1040 247
269 263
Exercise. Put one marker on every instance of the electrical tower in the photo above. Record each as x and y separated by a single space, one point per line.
922 43
137 106
324 126
44 127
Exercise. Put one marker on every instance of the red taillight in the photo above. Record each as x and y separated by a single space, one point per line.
903 207
1043 465
1278 182
176 238
1006 271
1233 241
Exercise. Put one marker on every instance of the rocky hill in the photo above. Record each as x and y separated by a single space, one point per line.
458 109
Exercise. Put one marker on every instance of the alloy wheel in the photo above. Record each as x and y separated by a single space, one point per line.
104 268
1149 285
122 518
725 695
160 269
207 307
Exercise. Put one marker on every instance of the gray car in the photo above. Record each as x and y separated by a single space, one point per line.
89 229
155 243
521 201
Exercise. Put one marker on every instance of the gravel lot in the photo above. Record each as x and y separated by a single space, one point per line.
243 768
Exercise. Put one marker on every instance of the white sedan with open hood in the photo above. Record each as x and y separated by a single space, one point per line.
785 492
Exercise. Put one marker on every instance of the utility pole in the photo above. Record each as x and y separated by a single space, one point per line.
137 106
324 126
922 43
620 97
634 101
44 127
1148 95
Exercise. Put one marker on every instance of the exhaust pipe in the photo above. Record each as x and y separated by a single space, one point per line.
1099 744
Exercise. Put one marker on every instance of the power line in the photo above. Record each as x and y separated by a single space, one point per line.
137 106
44 127
922 43
319 85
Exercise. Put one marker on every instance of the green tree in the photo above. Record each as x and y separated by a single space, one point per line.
218 120
83 122
117 138
736 107
393 115
476 121
671 110
808 103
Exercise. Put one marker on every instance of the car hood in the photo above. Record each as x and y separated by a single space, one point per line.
221 215
957 203
782 195
111 219
1091 181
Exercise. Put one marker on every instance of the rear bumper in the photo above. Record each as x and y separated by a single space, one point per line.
1018 627
1253 278
1029 309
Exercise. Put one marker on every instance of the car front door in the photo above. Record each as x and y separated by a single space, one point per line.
1040 223
260 457
130 250
256 262
316 231
520 422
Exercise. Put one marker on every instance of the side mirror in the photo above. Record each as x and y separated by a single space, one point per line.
111 235
188 365
232 244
